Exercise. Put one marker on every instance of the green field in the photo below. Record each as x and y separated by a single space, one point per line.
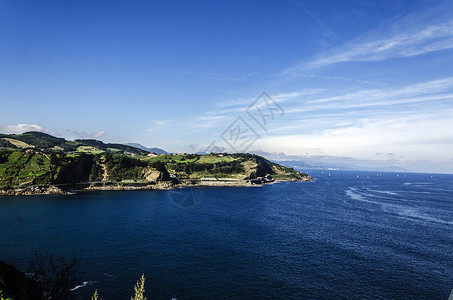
46 142
192 158
212 158
18 143
89 149
20 167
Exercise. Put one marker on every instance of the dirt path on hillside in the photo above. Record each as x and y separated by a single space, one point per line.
104 169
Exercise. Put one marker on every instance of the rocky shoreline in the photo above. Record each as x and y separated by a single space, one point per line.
32 190
121 186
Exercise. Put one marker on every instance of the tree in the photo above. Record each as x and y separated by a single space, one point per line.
56 275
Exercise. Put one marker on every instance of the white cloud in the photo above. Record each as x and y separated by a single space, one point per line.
98 134
408 36
21 128
84 135
412 138
158 125
411 121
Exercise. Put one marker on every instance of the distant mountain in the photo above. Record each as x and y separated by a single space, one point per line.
325 162
337 166
297 164
152 150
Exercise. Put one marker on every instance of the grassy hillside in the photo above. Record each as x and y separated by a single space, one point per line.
224 165
46 142
35 159
20 169
6 144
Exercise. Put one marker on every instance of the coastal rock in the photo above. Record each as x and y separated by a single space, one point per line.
151 174
32 190
70 170
16 285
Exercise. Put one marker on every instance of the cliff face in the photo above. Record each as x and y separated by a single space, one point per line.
34 171
257 166
16 285
36 159
261 167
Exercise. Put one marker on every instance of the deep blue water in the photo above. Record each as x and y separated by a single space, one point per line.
340 237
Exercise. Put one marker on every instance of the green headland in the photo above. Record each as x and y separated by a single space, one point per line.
38 163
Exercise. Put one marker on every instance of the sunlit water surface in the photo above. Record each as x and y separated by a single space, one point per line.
347 235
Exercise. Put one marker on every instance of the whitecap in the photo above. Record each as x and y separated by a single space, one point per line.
382 192
415 215
82 285
355 194
409 213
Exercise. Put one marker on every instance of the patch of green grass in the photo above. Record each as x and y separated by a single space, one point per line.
72 143
37 165
212 159
22 168
89 149
161 158
18 143
192 158
15 156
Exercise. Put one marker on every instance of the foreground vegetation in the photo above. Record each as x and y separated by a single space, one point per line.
49 277
139 291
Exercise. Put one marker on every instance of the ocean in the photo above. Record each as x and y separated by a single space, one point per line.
346 235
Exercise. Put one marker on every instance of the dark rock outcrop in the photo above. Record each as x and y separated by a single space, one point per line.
16 285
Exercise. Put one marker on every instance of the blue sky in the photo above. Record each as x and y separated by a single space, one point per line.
367 80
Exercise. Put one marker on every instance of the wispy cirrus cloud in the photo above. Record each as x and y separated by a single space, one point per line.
421 93
325 31
205 122
240 105
410 121
408 36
